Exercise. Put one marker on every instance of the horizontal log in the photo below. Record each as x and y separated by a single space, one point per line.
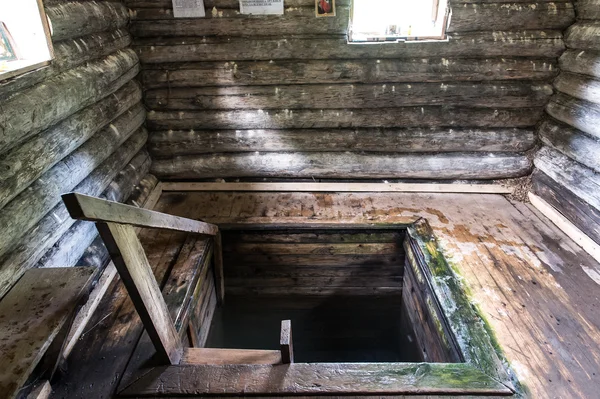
578 86
312 237
301 20
69 54
212 356
583 36
332 249
571 142
532 43
22 164
583 62
75 19
164 144
36 241
27 208
580 114
229 22
585 217
578 179
135 4
96 254
221 4
385 117
496 95
506 16
71 246
345 71
344 165
44 105
588 9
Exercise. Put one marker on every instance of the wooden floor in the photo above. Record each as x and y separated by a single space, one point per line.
539 291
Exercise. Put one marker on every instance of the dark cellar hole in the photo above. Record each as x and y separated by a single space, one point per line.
341 289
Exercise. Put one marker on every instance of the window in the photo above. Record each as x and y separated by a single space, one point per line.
24 37
393 20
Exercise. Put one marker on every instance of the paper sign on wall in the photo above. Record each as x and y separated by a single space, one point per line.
261 7
188 8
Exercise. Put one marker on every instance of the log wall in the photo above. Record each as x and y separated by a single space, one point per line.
236 96
568 166
76 125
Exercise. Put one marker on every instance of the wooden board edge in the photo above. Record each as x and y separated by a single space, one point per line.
340 187
465 380
565 225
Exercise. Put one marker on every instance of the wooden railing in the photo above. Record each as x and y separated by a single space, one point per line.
114 222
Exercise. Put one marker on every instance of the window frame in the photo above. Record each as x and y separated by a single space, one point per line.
396 39
46 26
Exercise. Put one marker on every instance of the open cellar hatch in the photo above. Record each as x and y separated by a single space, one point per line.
298 310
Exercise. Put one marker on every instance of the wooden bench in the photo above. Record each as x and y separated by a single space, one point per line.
32 314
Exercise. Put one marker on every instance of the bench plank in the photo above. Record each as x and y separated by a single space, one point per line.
31 315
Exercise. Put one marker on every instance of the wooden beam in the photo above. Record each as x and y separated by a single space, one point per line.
130 260
285 342
566 226
315 379
83 207
340 187
219 273
211 356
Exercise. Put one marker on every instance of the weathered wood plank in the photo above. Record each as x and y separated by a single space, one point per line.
566 226
75 19
330 119
229 22
36 241
533 43
316 249
571 142
136 273
311 379
344 165
68 54
83 207
32 313
583 62
212 356
588 9
497 95
578 86
341 187
72 245
44 105
283 72
218 268
580 114
23 164
166 144
505 16
583 36
576 210
581 181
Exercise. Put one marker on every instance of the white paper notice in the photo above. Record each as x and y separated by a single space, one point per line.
188 8
261 7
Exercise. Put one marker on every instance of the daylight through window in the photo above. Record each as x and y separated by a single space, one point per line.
24 43
392 20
